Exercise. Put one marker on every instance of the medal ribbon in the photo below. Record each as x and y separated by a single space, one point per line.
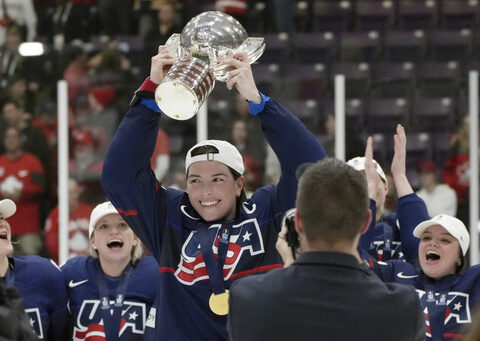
111 314
214 267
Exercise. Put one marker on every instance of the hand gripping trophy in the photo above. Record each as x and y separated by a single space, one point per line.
204 40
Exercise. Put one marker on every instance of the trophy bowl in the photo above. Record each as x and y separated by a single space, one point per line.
204 40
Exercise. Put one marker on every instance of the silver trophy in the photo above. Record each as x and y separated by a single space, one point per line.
206 38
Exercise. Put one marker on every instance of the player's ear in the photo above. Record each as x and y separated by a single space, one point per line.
92 242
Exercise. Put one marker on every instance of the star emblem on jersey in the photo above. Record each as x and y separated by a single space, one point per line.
246 236
73 284
132 316
457 306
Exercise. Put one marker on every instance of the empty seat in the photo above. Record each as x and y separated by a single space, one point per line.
433 114
308 111
383 114
457 14
405 46
305 81
360 46
390 79
277 48
302 15
268 77
438 79
334 16
447 45
417 14
357 78
374 15
317 47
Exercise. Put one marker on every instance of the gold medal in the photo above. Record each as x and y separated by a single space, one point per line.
219 303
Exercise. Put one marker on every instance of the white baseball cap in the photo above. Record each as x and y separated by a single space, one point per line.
100 211
227 154
358 163
7 208
453 225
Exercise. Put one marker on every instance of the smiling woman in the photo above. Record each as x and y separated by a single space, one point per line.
447 293
112 290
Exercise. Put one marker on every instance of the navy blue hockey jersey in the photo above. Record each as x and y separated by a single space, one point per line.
392 237
166 222
448 303
80 278
44 296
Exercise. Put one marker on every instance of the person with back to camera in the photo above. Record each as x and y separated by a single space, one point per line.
38 281
111 291
328 292
189 231
447 292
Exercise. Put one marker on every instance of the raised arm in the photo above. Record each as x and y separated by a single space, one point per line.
291 141
127 177
411 209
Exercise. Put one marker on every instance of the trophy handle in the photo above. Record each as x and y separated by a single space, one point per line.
254 48
174 43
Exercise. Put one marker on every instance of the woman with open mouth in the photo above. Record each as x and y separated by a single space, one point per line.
446 291
112 291
39 282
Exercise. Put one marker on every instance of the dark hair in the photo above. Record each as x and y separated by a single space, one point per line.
461 266
332 201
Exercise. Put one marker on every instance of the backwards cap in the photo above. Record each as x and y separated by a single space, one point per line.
7 208
358 163
98 213
226 153
453 225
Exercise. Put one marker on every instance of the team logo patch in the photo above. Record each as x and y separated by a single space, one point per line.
245 236
89 326
35 321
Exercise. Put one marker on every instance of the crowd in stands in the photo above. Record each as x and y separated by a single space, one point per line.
103 49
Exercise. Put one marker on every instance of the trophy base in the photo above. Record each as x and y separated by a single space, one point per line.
176 100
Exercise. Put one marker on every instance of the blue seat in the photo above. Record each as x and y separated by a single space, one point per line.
390 79
415 14
374 15
457 14
336 16
405 45
360 46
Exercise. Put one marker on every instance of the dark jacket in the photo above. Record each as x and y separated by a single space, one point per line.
323 296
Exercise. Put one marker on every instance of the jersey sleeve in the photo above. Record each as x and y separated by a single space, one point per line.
128 180
293 144
367 238
411 211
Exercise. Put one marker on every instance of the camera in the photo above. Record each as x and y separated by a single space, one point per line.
292 235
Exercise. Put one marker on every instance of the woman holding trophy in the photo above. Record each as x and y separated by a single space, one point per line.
210 235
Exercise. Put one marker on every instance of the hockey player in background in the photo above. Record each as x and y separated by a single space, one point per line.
39 282
209 236
112 291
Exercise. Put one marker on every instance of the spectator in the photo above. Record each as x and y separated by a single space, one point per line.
10 59
236 8
456 172
165 23
439 198
32 137
39 283
76 72
79 215
100 119
327 291
115 17
20 13
22 180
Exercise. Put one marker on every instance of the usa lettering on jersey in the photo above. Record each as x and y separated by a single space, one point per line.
89 324
457 307
35 321
245 236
